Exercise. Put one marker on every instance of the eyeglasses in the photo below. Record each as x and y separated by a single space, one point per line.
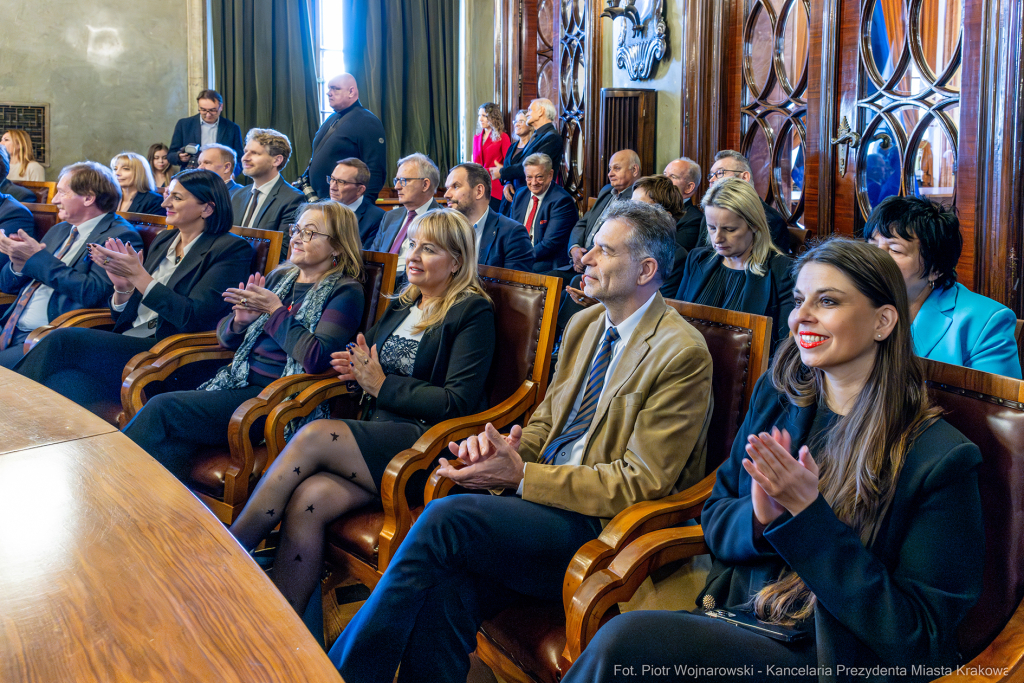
402 182
720 173
305 233
208 111
331 180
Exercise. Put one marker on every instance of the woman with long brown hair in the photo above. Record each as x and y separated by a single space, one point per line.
23 158
490 144
832 522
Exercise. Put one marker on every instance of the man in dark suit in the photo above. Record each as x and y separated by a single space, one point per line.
548 212
222 160
624 420
730 163
22 194
501 241
57 276
13 214
546 140
269 203
623 170
416 183
351 131
206 127
348 187
685 175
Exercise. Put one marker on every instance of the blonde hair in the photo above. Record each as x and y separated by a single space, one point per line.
342 229
450 231
23 152
142 175
740 197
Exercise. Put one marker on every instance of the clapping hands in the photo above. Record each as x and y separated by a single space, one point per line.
779 481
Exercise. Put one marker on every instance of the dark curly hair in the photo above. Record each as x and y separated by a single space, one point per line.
934 226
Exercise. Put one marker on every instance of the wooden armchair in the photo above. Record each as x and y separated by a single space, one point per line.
43 189
536 641
989 410
44 216
223 478
361 544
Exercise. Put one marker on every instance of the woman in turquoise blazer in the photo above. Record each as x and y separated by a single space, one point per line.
951 324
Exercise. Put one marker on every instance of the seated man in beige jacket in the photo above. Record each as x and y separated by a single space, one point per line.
624 420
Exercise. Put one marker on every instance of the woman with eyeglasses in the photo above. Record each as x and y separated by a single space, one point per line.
523 133
306 309
177 288
426 360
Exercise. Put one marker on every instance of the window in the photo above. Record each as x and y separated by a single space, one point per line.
330 40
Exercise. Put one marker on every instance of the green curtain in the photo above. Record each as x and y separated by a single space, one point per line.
404 57
264 67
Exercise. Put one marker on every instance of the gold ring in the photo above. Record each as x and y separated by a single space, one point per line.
366 361
106 260
244 302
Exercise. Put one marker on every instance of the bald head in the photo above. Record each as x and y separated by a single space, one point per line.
342 92
623 169
685 175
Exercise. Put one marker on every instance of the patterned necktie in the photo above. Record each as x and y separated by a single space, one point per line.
529 216
27 292
396 246
595 385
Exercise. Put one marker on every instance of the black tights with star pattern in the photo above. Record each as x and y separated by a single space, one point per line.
319 476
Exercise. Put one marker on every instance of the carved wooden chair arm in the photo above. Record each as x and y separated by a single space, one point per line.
243 458
83 317
159 369
598 596
7 299
308 398
172 343
636 520
1002 660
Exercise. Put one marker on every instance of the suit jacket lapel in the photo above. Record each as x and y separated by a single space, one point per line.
391 320
756 292
271 196
935 317
192 259
488 236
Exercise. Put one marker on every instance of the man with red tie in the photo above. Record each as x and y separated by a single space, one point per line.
416 183
549 214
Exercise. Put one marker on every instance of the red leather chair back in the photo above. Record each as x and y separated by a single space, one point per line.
44 216
989 410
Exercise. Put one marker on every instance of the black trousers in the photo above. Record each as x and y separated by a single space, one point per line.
172 427
14 352
466 558
682 646
83 365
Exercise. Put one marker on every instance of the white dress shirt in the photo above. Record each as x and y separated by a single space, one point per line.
478 227
572 454
35 313
162 275
540 200
261 193
354 205
207 132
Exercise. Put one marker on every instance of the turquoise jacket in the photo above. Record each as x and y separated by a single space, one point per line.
960 327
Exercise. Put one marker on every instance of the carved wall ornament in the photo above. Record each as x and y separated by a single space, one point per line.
640 35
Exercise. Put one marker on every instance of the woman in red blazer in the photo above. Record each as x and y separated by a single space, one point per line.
490 145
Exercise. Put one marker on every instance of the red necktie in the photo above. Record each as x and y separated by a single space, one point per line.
27 292
396 246
531 213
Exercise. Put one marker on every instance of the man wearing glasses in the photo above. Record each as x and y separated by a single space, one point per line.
205 128
732 164
417 181
348 188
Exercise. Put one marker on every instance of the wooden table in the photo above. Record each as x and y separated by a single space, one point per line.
110 570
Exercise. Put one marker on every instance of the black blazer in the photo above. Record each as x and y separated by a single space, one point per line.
585 229
505 244
191 301
689 226
512 157
369 216
776 225
188 131
83 284
359 134
546 140
149 203
278 210
449 377
556 216
770 294
896 602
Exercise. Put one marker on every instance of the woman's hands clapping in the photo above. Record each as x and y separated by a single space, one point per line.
250 300
124 267
780 481
359 363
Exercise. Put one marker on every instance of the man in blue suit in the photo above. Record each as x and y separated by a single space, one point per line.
13 214
416 183
501 241
269 203
348 188
206 127
57 276
547 212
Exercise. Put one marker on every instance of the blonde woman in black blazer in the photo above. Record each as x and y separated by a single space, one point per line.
425 361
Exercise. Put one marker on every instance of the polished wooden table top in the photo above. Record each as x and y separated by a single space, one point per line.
110 570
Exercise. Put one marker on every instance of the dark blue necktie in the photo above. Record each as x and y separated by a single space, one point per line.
584 416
